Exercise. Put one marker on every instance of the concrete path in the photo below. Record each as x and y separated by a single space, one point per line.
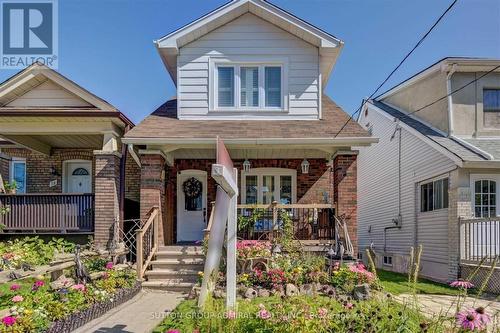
446 305
139 315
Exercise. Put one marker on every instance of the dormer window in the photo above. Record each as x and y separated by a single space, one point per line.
248 87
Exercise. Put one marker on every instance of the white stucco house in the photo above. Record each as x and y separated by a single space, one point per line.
436 166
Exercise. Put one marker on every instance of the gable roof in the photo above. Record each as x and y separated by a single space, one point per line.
329 46
164 126
456 149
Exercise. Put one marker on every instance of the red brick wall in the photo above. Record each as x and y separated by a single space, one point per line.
132 179
4 167
107 186
152 191
346 193
39 167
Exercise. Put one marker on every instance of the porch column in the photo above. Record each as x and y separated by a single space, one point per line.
153 170
107 198
346 193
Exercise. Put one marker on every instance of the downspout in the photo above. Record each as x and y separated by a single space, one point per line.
450 99
399 219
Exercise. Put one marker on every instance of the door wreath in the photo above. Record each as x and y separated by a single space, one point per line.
192 188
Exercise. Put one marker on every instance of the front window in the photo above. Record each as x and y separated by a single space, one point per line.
491 100
434 195
18 174
485 198
248 87
265 185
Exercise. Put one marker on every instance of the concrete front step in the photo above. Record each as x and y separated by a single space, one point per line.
170 285
170 274
178 255
182 248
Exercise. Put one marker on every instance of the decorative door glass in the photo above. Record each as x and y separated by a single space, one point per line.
268 189
286 190
251 187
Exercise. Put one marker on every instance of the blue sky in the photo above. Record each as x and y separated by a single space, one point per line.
107 45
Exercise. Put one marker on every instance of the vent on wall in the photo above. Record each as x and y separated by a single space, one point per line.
387 260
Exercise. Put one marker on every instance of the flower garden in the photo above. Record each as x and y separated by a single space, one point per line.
300 292
44 303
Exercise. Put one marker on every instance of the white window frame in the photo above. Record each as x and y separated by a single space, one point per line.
237 63
429 181
476 177
388 261
16 160
276 172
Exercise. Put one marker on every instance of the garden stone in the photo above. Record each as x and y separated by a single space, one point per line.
62 282
329 291
263 293
250 293
361 292
291 290
307 289
219 293
278 291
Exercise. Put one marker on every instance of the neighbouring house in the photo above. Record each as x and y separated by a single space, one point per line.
61 146
434 177
254 75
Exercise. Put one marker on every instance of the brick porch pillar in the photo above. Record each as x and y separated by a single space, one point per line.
4 166
107 187
153 189
346 193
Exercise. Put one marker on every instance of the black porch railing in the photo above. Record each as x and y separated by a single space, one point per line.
307 221
47 212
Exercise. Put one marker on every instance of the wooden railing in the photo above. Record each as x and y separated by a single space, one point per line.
48 212
147 241
479 238
308 221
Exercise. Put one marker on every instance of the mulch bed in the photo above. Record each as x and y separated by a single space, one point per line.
78 319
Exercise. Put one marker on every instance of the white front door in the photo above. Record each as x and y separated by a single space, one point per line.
78 177
191 205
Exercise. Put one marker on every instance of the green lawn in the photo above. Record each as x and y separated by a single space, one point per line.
396 284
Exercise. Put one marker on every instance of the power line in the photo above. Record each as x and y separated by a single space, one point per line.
454 91
399 65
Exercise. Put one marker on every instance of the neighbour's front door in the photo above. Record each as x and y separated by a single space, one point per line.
78 177
191 205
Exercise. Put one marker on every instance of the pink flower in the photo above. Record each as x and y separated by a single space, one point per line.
322 312
469 320
109 265
264 314
15 287
231 314
483 316
173 331
79 287
105 275
17 299
9 320
462 284
348 305
37 285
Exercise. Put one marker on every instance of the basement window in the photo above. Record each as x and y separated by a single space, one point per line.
388 260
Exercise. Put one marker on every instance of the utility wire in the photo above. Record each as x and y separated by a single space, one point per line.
399 65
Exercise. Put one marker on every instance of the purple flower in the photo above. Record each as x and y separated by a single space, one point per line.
469 320
462 284
173 331
9 320
231 314
483 316
15 287
37 285
109 265
264 314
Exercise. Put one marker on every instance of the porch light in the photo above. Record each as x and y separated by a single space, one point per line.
305 166
246 165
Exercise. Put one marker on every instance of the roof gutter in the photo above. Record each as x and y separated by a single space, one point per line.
341 142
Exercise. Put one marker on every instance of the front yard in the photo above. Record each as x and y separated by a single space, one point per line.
397 284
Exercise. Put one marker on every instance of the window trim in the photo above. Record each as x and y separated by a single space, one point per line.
484 108
19 160
491 177
276 172
388 260
431 181
237 63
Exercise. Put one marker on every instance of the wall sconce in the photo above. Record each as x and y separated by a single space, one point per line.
305 166
246 165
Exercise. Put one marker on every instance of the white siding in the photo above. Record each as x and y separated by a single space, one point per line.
49 94
251 37
378 195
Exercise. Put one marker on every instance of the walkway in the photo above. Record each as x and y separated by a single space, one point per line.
139 315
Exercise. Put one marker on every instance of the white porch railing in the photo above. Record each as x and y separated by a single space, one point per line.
479 238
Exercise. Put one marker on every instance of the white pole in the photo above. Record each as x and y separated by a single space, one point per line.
231 249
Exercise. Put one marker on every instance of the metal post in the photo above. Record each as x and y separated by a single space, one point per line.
231 249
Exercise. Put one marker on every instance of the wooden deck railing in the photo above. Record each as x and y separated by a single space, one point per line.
147 241
47 212
479 238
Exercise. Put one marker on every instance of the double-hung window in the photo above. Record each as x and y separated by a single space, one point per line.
249 87
434 195
485 195
18 174
491 100
265 185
